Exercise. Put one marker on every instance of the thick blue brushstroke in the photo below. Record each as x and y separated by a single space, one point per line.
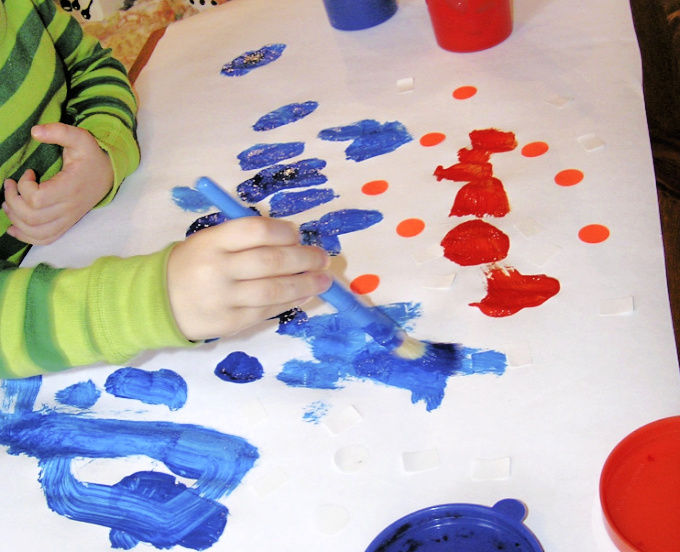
285 204
161 387
285 115
325 231
282 177
146 507
369 138
342 351
190 199
263 155
238 367
245 63
81 395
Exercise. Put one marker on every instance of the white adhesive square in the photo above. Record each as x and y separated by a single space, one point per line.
485 469
430 253
405 85
337 422
541 253
253 412
439 281
559 101
591 142
518 354
331 518
269 483
529 228
420 460
615 307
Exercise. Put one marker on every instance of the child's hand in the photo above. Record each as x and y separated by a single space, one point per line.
231 276
42 213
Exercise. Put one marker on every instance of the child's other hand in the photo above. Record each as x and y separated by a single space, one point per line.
42 213
231 276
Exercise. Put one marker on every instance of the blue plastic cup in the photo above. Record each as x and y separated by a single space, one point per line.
353 15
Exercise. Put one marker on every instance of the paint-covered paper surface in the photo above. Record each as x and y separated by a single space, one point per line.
517 179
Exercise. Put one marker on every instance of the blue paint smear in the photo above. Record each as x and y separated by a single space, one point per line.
342 351
315 412
238 367
160 387
282 177
285 115
144 506
369 138
263 155
245 63
325 231
189 199
284 204
81 395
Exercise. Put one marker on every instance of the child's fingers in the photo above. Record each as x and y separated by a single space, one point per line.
276 293
247 233
61 134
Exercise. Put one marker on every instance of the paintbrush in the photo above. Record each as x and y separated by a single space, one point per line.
380 327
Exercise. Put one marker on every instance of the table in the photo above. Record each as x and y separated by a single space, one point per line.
335 466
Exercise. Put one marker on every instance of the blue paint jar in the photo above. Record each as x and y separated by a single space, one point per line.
353 15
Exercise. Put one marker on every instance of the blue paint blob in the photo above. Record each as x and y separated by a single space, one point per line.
160 387
263 155
285 204
369 138
342 351
81 395
245 63
285 115
190 199
276 178
213 219
325 231
146 507
238 367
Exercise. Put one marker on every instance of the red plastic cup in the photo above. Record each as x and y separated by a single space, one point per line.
470 25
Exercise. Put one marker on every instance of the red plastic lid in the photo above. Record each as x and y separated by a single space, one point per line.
640 489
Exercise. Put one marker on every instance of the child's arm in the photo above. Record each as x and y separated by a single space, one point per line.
217 282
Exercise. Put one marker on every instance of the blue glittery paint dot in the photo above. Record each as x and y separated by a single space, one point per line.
285 115
263 155
325 231
369 138
284 204
190 199
245 63
81 395
238 367
303 173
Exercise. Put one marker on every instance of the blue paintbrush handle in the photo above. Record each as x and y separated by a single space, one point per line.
380 327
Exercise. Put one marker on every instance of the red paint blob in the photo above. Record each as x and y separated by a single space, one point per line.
508 292
568 177
366 283
493 140
593 233
475 242
484 197
375 187
410 227
464 92
534 149
462 172
432 139
473 155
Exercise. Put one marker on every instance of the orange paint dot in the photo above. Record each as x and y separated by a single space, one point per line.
568 177
375 187
410 227
593 233
432 139
534 149
366 283
464 92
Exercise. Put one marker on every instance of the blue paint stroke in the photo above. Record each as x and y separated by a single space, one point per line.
285 115
325 231
159 387
263 155
369 138
81 395
315 412
282 177
143 507
190 199
245 63
342 351
238 367
284 204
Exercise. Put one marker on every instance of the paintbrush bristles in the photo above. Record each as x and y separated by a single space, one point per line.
410 348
